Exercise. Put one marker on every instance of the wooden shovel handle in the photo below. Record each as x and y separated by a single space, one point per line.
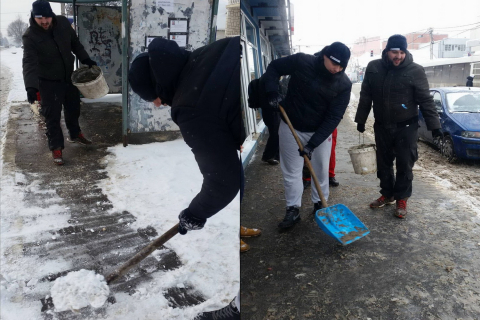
307 161
145 252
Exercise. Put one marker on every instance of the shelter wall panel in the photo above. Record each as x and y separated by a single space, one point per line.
99 31
148 18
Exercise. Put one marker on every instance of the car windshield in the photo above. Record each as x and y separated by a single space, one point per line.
463 101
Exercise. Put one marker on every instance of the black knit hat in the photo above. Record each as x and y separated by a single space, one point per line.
41 8
338 53
397 42
140 78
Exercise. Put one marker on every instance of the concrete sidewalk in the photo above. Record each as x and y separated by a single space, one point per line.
424 267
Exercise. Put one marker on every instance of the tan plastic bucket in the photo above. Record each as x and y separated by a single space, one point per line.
90 82
363 158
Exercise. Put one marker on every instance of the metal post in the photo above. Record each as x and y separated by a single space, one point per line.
75 25
213 21
125 62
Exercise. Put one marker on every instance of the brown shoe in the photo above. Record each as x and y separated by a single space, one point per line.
247 233
57 157
381 202
243 246
401 210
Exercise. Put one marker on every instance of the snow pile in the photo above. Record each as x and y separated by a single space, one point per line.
79 289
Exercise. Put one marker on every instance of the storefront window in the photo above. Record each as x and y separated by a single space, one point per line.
250 31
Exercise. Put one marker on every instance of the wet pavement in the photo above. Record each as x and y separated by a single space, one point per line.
424 267
95 238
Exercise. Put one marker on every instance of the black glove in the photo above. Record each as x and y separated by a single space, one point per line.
188 222
437 133
89 62
361 127
31 95
307 150
273 99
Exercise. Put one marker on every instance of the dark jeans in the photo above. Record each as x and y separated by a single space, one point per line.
398 144
216 153
272 121
55 94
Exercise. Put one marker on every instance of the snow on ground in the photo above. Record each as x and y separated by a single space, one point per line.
154 182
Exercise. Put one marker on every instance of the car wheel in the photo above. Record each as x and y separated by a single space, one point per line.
448 150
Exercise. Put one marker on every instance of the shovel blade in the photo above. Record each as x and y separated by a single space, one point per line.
340 223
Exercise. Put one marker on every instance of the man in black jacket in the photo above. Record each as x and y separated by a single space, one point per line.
317 97
203 89
47 67
396 86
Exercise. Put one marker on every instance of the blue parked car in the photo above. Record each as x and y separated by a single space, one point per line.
459 112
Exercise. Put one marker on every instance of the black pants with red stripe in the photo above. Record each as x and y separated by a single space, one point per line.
56 94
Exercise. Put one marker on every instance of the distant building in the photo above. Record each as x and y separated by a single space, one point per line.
447 48
363 45
473 45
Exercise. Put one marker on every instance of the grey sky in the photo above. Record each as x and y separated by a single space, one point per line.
321 23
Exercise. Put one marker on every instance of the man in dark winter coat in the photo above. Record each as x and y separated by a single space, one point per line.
396 86
47 67
469 81
317 97
203 89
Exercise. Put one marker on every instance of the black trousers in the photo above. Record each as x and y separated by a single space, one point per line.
54 94
399 144
216 153
272 121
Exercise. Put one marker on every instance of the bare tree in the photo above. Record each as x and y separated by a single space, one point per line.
16 29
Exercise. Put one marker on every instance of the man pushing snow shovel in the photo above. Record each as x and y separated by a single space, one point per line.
317 97
203 89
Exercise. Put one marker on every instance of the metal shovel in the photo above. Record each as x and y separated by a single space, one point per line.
336 221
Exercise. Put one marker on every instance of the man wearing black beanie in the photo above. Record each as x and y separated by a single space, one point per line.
47 68
317 97
396 86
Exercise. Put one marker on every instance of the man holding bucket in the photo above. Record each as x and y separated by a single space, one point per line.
47 68
317 97
396 86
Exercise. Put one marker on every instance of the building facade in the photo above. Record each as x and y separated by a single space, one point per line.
265 35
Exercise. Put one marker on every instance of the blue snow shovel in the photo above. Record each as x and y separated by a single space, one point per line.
336 221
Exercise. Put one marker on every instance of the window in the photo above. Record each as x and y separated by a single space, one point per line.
461 47
250 31
437 99
448 47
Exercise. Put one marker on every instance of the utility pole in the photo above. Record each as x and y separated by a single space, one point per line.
62 9
431 43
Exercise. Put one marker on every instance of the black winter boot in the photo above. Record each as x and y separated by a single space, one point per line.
291 218
317 206
229 312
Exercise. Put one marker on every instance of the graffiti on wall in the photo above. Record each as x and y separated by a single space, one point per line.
149 18
99 30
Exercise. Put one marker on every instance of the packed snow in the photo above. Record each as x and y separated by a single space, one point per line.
79 289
